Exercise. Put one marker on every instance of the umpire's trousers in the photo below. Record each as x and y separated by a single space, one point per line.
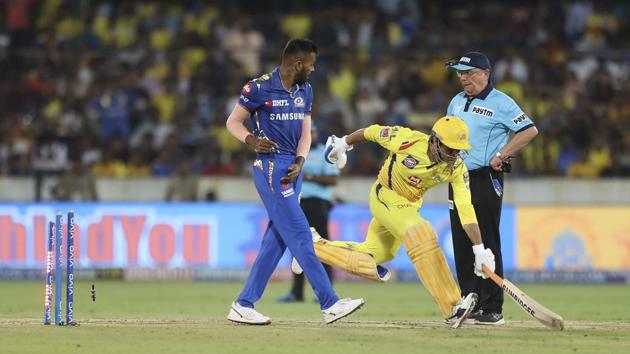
316 211
487 204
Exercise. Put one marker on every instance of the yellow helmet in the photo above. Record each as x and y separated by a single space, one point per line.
452 132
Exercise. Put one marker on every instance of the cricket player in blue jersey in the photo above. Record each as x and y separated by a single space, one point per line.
319 177
491 116
278 105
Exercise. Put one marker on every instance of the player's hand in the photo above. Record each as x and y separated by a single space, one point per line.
335 152
261 145
483 256
293 171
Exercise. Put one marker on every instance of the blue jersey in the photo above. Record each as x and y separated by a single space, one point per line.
277 113
490 117
316 165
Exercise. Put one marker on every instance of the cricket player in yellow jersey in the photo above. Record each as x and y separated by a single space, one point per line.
416 163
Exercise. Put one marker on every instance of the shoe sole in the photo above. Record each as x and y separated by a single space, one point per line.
470 321
497 323
347 314
234 319
458 322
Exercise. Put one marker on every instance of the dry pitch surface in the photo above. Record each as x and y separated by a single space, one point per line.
397 318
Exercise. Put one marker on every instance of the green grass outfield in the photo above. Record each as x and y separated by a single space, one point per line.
397 318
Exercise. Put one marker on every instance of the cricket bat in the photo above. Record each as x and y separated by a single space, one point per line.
529 305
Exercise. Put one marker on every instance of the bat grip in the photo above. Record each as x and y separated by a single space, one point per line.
492 275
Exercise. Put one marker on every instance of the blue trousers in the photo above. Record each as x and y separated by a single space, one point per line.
288 227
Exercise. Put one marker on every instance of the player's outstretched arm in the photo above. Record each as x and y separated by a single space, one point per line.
336 147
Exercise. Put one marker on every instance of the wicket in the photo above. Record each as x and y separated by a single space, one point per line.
55 238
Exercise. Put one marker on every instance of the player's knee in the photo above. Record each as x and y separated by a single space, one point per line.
420 238
382 257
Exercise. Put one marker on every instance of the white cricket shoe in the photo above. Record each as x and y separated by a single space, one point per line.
315 235
295 267
462 309
247 315
341 309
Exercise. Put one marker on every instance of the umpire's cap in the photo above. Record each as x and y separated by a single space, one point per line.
470 61
452 132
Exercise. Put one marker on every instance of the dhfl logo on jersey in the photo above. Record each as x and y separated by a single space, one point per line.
277 103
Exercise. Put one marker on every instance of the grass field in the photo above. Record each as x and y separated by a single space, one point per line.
397 318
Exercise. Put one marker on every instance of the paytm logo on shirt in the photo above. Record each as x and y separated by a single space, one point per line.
483 111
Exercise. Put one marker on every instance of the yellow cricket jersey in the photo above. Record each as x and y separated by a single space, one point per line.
409 172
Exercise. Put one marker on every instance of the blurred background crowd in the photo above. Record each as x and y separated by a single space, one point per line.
143 88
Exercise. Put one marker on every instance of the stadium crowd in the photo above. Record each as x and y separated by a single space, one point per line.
136 88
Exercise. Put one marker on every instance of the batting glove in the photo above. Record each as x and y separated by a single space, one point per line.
483 256
335 152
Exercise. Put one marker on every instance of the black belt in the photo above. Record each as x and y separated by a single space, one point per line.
484 171
479 171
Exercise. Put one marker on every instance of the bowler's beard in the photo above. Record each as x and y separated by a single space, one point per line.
301 77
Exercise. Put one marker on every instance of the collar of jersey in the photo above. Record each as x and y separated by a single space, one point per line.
276 84
484 93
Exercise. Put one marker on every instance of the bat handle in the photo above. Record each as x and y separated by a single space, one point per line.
492 275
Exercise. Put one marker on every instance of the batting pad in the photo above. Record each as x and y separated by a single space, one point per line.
355 262
424 251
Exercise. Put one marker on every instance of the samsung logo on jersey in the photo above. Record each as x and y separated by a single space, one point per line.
286 116
483 111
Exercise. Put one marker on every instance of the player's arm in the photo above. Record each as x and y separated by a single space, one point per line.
388 137
304 146
465 210
468 218
236 126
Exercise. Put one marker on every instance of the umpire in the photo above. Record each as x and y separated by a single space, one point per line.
491 116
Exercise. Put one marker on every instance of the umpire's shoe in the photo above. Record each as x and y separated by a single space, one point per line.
490 318
241 314
341 309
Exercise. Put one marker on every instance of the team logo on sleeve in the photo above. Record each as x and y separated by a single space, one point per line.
520 119
410 162
299 102
247 88
384 133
